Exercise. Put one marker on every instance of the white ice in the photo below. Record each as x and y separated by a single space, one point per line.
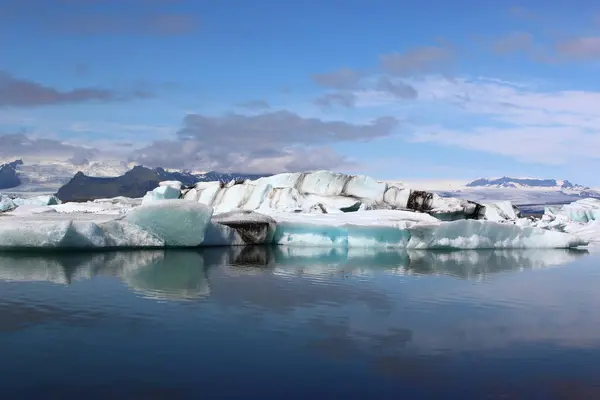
411 230
163 192
500 211
114 206
583 211
580 218
313 209
43 200
6 203
170 223
178 223
319 192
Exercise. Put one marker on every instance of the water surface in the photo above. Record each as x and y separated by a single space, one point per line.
300 323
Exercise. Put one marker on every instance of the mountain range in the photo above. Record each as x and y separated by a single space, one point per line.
98 180
91 180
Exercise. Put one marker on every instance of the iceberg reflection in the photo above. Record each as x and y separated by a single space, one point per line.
184 274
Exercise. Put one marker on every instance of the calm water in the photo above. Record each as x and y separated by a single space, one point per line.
305 323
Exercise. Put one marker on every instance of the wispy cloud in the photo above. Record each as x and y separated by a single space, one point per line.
344 78
18 92
550 127
423 59
344 99
127 17
256 104
272 141
581 48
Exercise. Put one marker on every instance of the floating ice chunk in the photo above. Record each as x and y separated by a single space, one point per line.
161 193
44 200
178 223
174 184
584 210
471 234
6 203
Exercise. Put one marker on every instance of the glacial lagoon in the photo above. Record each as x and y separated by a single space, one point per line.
300 323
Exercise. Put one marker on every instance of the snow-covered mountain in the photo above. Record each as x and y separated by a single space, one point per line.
33 175
535 184
44 175
530 194
47 175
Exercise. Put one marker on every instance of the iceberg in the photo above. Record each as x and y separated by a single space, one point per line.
44 200
114 206
167 191
580 218
180 223
6 203
397 229
469 234
325 192
583 211
68 234
177 223
322 209
9 204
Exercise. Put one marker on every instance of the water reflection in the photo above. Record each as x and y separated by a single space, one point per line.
184 274
342 322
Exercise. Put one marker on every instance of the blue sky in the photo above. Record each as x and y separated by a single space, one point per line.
397 90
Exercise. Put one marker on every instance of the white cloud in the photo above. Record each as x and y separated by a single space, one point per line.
520 121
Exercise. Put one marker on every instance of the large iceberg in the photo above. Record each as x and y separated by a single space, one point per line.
323 192
322 209
180 223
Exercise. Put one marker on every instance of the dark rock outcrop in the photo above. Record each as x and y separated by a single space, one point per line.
8 175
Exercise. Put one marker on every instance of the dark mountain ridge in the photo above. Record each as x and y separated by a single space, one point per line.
8 175
134 183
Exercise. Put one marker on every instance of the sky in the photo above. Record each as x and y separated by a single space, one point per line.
396 90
